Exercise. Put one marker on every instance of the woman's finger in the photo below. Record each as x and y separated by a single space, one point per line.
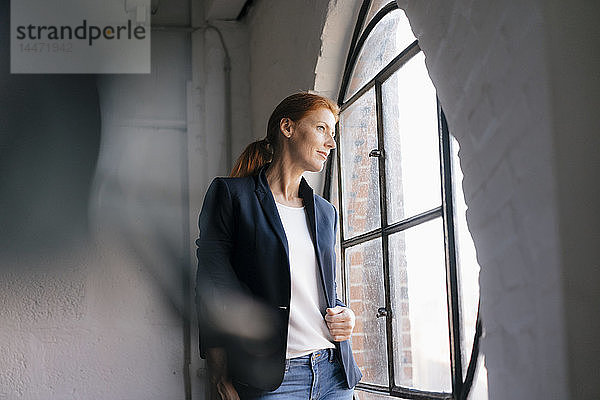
227 391
342 334
340 338
339 325
337 318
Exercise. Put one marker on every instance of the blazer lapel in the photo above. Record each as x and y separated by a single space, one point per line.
267 202
306 192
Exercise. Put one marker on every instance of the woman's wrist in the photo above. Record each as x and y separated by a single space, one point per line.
216 360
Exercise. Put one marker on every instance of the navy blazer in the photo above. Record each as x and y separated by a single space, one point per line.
242 247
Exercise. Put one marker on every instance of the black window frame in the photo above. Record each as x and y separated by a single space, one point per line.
460 386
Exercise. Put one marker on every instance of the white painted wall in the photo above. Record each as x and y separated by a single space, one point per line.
573 38
336 36
138 213
85 317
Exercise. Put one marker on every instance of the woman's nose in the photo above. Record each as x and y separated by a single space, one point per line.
330 142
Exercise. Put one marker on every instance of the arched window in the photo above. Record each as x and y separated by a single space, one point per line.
406 260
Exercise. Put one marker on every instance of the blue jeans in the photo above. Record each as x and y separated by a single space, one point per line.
316 376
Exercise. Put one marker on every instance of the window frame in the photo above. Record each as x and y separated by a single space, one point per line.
460 386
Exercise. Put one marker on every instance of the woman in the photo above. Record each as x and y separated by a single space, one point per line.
265 236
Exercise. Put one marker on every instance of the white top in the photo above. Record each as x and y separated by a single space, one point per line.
307 329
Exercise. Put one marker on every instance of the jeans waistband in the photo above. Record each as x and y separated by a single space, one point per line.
314 357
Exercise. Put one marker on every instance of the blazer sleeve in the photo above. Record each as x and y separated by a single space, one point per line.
215 277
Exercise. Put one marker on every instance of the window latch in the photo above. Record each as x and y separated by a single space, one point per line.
382 312
375 153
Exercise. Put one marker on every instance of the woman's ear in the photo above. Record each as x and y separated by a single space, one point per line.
286 126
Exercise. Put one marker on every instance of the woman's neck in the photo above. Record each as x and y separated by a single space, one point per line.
284 181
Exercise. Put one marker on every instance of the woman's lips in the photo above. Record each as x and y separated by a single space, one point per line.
323 154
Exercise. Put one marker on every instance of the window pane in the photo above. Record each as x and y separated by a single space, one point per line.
389 37
411 141
360 173
468 272
374 7
365 270
419 308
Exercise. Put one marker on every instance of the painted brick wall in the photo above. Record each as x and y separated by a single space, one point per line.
487 62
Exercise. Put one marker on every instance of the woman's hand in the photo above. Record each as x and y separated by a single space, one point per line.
221 386
340 321
226 391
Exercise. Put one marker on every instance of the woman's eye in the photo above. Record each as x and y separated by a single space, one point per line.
321 127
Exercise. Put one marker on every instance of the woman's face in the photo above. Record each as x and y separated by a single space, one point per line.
310 139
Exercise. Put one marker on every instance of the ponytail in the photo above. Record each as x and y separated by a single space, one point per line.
254 156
